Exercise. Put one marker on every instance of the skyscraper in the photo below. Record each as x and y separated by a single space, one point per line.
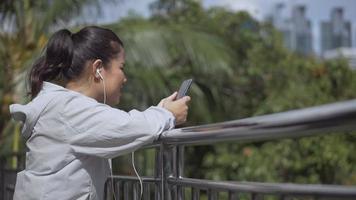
301 31
296 30
337 32
282 24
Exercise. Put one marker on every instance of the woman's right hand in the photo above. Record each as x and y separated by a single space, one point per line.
179 108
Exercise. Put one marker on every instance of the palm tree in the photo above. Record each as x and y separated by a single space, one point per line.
160 57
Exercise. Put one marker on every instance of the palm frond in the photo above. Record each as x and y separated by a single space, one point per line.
159 57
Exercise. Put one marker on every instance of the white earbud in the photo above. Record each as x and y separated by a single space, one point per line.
102 78
99 74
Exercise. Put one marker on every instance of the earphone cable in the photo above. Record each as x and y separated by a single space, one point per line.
104 92
132 159
112 179
138 176
110 160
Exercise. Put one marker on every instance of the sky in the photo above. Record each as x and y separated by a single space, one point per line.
317 11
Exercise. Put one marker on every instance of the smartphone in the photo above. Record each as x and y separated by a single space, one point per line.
184 87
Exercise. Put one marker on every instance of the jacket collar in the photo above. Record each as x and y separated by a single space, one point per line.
51 87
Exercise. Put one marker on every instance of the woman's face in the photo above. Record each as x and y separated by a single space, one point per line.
114 78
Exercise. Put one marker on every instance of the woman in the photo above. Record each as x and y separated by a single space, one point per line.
70 128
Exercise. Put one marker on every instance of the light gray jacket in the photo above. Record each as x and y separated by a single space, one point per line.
70 137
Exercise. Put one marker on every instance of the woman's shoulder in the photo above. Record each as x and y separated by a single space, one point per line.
63 100
74 102
65 95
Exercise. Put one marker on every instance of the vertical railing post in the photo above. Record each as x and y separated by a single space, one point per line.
255 196
128 188
169 163
233 195
118 187
2 178
158 174
212 194
135 191
146 192
174 155
180 170
166 164
195 194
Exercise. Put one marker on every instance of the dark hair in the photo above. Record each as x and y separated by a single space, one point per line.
66 54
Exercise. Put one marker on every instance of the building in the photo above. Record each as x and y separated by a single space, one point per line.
336 33
301 36
296 29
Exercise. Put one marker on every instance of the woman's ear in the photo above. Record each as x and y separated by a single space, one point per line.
96 67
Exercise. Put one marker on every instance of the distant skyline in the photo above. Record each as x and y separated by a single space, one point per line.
317 11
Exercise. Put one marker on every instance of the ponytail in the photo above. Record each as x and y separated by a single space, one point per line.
56 60
66 55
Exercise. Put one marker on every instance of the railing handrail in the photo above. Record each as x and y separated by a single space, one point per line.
268 188
340 116
257 187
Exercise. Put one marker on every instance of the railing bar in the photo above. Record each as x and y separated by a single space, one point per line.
180 154
180 192
255 135
282 197
256 196
168 190
174 171
2 177
340 116
233 195
106 190
146 192
179 169
135 191
195 193
157 170
163 180
158 173
134 178
157 188
173 194
127 188
212 194
269 188
117 186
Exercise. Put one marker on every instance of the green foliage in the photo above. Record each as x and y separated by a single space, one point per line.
172 11
322 159
160 57
265 78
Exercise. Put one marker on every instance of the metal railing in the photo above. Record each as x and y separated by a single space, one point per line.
169 182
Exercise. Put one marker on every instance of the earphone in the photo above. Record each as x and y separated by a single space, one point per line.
98 74
102 78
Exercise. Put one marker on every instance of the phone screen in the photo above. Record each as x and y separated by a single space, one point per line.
184 87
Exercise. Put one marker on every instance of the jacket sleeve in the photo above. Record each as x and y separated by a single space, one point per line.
100 130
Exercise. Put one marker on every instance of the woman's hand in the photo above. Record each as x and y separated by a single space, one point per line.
179 107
